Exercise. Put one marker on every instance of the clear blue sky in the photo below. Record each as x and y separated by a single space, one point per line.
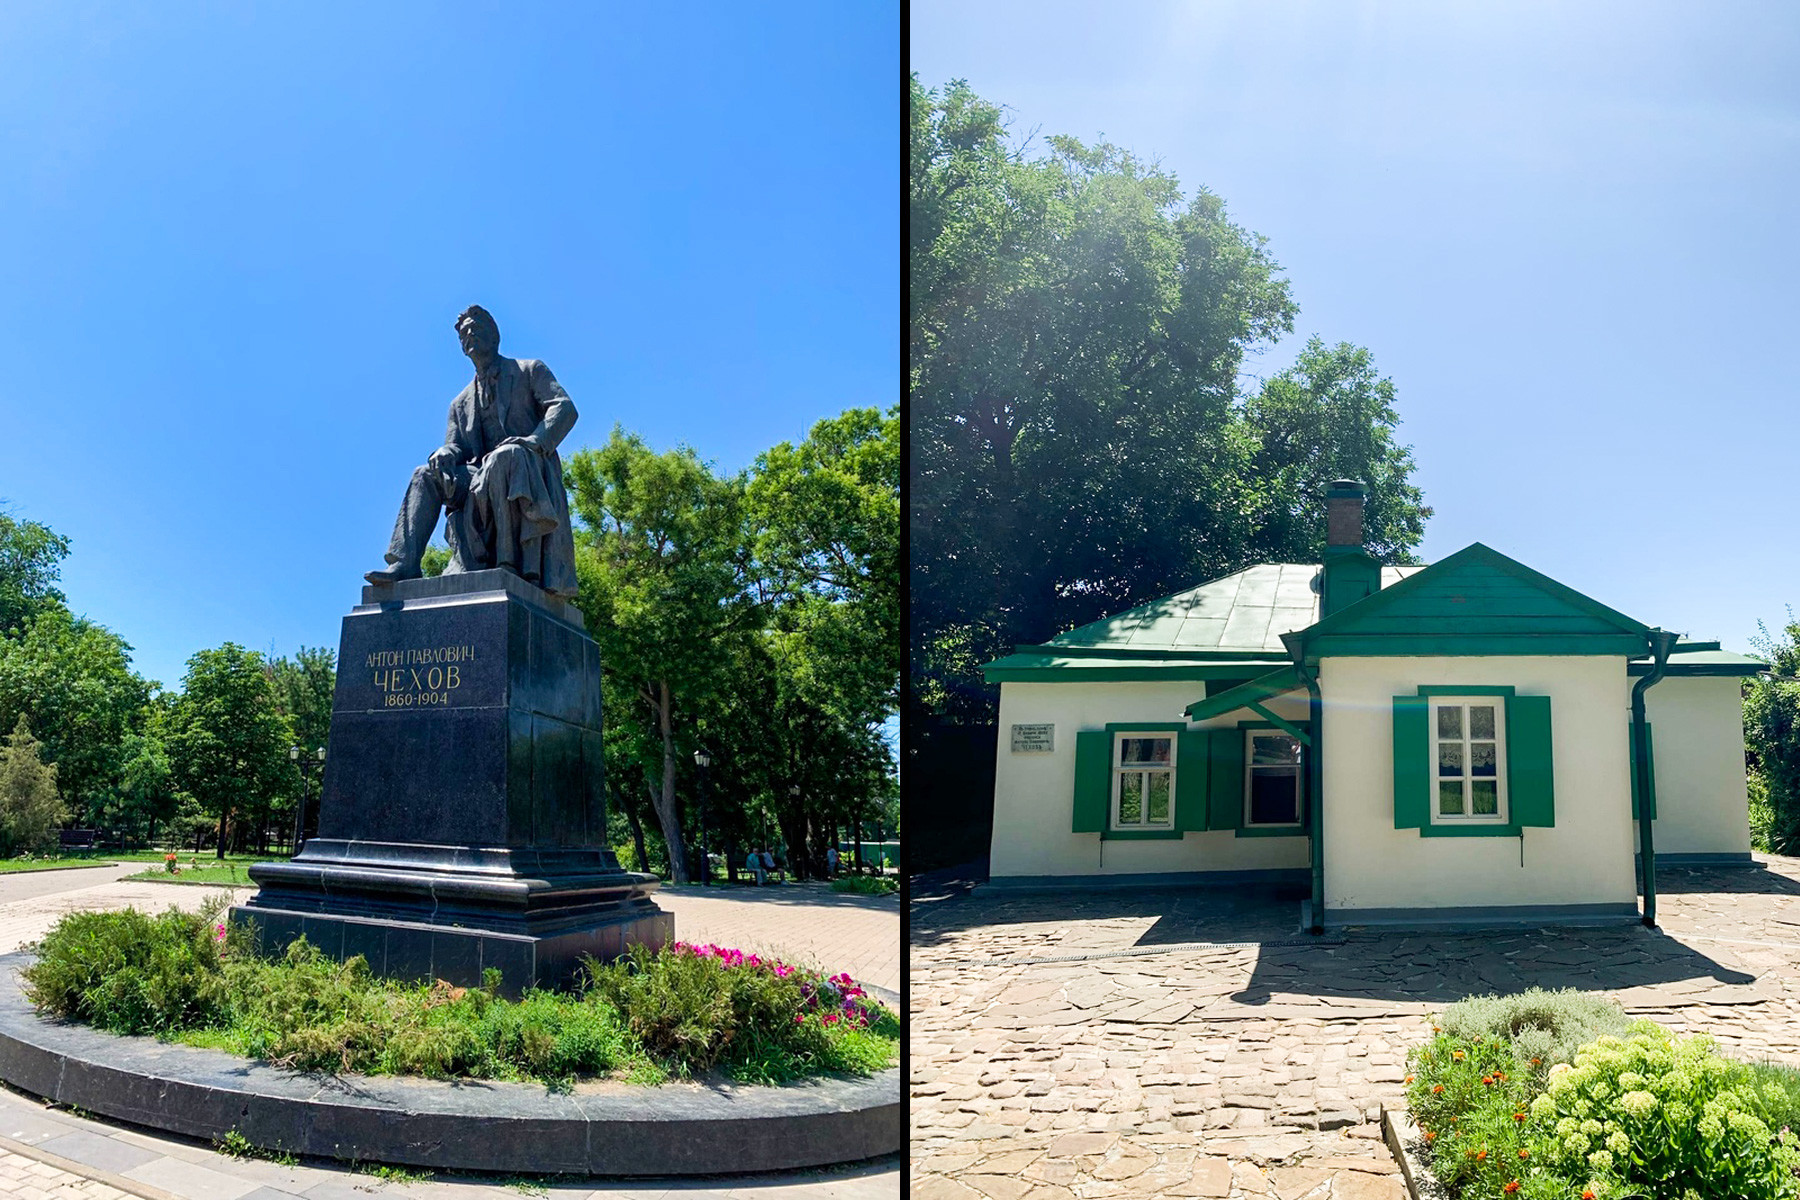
1568 233
236 236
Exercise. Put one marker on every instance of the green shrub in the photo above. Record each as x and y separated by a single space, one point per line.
1777 1089
132 973
1651 1113
1543 1028
1645 1115
685 1009
695 1007
866 885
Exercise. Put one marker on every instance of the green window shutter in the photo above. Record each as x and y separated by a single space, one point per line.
1412 762
1530 773
1191 774
1093 780
1225 783
1650 745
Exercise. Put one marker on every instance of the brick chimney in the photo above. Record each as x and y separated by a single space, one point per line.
1349 573
1344 513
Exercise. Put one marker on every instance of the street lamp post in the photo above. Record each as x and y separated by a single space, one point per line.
703 760
306 765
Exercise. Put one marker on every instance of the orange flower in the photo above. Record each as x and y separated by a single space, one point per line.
1518 1116
1510 1188
1524 1154
1499 1074
1480 1154
1437 1029
1437 1090
1429 1134
1536 1061
1409 1079
1587 1195
1459 1056
1487 1081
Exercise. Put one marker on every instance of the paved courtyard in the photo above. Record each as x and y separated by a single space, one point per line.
1192 1042
48 1153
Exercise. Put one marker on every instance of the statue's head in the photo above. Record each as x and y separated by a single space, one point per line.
476 327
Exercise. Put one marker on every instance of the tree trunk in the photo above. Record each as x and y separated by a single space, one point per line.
668 809
223 814
857 825
637 835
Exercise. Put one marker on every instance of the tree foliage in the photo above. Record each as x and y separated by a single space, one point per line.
659 567
73 680
30 808
1080 442
227 743
30 563
1772 738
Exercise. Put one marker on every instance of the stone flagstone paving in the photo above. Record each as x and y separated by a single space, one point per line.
1192 1043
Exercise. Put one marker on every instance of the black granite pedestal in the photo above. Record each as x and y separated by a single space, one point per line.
462 823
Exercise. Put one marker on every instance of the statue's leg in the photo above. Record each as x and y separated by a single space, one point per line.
418 517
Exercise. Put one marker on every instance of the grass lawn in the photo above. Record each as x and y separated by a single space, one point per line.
11 865
231 873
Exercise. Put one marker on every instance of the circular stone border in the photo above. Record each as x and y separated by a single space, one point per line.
467 1125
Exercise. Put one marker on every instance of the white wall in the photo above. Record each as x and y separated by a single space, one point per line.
1586 858
1034 794
1701 802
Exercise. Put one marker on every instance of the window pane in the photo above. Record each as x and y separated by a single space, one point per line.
1450 758
1273 750
1450 798
1159 798
1486 797
1144 750
1450 721
1483 759
1131 798
1481 720
1274 797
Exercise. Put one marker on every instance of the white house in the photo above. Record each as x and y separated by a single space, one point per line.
1453 742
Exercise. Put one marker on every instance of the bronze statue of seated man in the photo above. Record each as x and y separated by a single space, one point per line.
497 477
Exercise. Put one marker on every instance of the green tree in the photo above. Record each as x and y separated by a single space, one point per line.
303 687
73 680
30 562
30 808
1079 440
1329 416
227 742
661 563
145 796
1772 740
825 666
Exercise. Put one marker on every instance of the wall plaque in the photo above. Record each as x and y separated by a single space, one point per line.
1033 739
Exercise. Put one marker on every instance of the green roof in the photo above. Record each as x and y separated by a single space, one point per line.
1245 613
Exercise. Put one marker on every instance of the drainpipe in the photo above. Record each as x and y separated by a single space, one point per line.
1314 776
1661 642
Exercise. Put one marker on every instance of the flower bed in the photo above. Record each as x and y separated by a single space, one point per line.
682 1011
1512 1107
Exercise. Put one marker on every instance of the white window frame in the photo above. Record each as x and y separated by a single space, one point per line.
1118 774
1299 770
1468 817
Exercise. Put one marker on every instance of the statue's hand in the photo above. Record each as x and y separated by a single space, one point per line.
530 443
442 459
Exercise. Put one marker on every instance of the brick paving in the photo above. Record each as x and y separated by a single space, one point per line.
49 1153
1193 1043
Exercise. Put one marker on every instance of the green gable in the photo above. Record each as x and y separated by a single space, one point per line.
1476 602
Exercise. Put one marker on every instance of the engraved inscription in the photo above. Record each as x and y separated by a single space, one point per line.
418 677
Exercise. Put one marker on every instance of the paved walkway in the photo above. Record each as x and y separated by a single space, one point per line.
46 1152
1193 1043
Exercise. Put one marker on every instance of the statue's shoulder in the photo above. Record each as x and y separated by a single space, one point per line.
531 366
